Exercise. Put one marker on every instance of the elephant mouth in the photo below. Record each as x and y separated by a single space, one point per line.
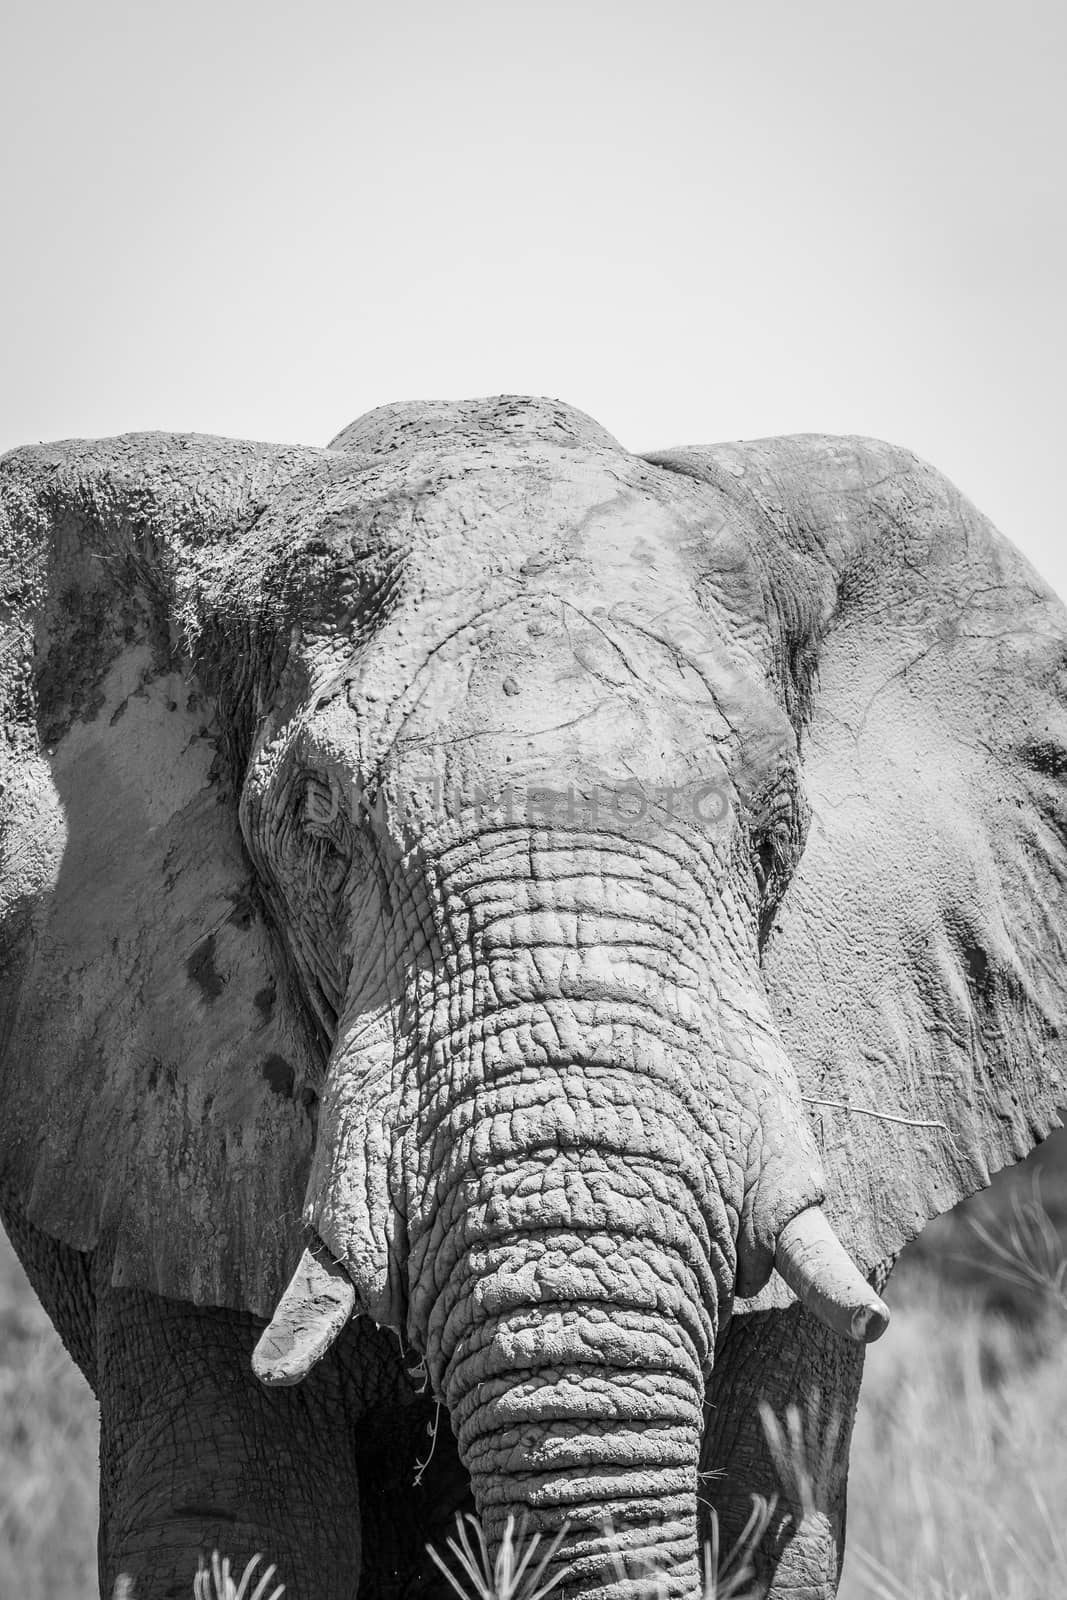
321 1298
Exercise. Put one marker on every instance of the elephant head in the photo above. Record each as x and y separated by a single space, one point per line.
533 885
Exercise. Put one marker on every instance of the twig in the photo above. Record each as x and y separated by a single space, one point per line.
431 1429
866 1111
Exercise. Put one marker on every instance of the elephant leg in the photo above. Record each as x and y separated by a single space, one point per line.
810 1379
195 1454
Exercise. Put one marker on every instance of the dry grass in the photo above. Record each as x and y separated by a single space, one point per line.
521 1570
959 1465
959 1462
215 1581
48 1453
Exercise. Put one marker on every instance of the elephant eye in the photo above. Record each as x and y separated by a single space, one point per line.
330 863
319 806
765 858
322 828
779 826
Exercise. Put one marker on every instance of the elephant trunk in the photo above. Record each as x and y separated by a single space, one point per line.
598 1144
573 1375
574 1239
565 1286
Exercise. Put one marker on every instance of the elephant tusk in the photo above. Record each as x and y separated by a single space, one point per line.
310 1315
823 1276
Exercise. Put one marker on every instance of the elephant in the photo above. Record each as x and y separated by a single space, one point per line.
504 940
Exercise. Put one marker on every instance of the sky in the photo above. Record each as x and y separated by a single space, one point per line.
695 222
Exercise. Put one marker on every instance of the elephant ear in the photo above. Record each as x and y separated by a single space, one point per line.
917 963
156 1073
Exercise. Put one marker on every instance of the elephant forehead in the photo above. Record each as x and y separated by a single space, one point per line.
551 615
546 686
598 545
580 629
431 535
521 510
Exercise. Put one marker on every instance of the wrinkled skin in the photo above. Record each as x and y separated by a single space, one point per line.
526 852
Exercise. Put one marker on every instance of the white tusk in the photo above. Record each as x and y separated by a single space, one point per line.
823 1276
310 1315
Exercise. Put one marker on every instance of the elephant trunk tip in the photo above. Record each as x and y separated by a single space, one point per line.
310 1315
823 1276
